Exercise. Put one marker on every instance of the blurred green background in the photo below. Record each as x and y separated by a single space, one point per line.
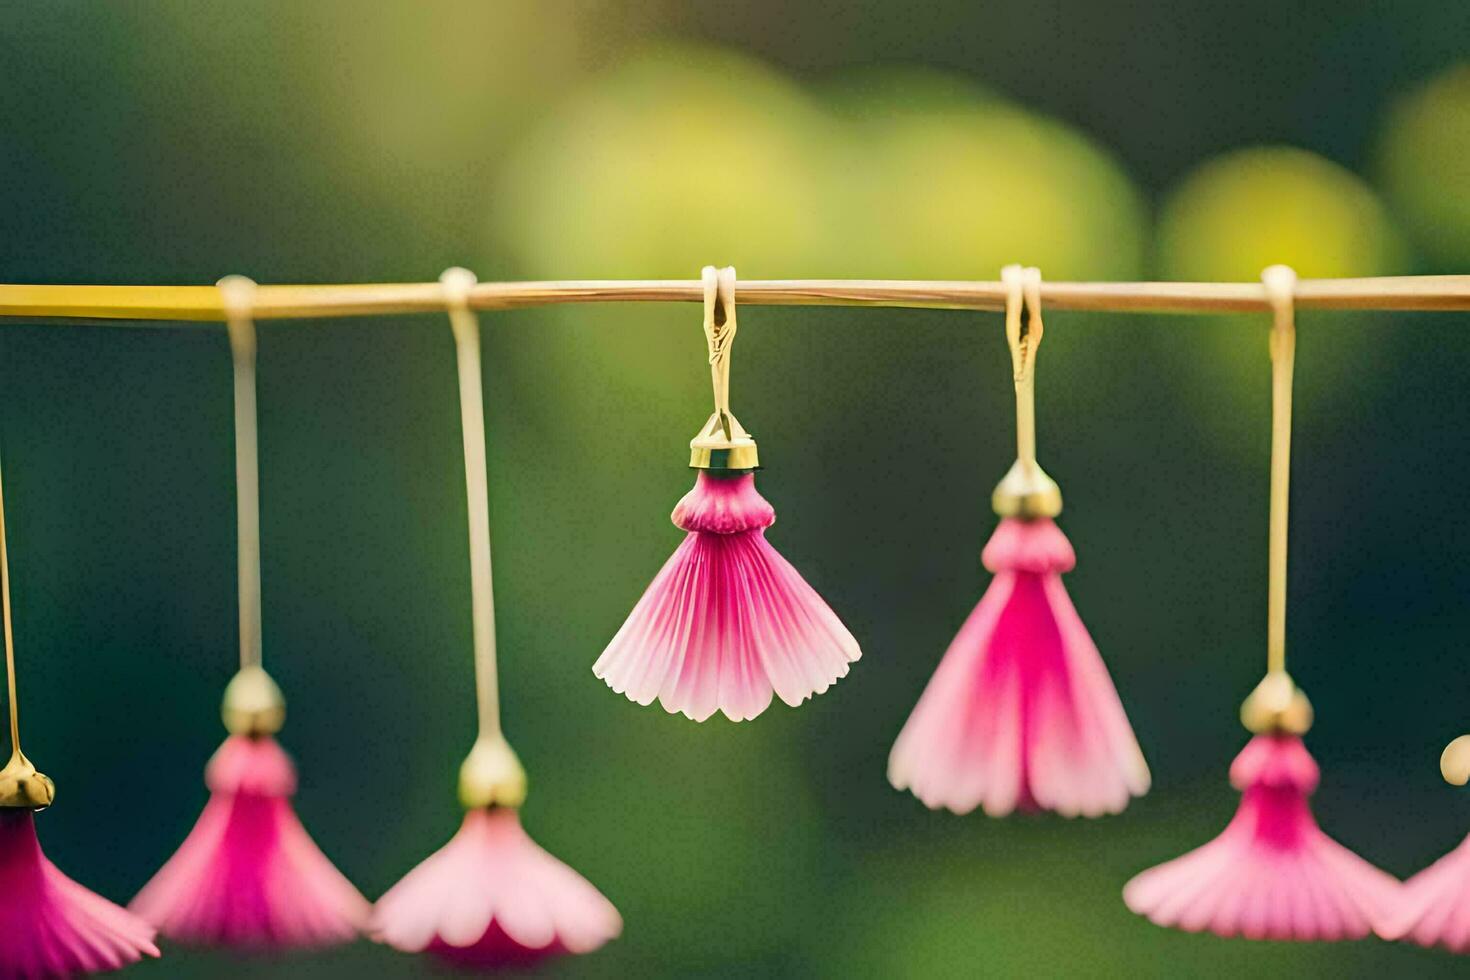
173 142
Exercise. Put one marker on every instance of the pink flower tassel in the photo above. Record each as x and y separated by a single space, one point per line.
1021 712
492 897
1433 908
727 621
248 875
1272 873
50 926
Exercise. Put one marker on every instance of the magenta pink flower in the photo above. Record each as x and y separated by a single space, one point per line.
492 897
727 620
50 926
1272 873
248 875
1021 712
1433 907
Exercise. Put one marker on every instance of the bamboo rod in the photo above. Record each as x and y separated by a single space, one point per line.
202 303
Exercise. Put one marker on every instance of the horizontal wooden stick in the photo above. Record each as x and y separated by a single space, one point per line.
202 303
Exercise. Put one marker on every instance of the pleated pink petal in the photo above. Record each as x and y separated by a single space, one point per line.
1021 712
248 875
492 897
727 621
50 926
1272 873
1433 907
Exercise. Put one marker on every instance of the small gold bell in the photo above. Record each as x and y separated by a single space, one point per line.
1026 492
1277 706
253 704
22 787
491 775
1454 764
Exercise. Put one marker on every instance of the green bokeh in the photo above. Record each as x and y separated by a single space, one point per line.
174 142
1247 209
1425 164
681 151
937 182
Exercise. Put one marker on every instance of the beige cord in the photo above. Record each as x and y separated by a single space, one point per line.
1280 283
21 786
9 638
490 775
237 295
457 284
719 330
1023 333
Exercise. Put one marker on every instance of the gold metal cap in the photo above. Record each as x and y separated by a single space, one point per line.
1026 492
491 775
253 704
22 787
723 444
1277 706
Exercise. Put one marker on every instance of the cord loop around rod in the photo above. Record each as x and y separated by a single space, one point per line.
1277 705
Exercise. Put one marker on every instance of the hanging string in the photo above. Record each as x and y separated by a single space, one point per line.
1025 491
1023 332
9 638
21 786
719 330
466 326
236 295
722 445
1280 282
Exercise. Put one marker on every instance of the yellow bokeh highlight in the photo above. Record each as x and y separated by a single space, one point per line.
950 184
1228 220
689 155
682 157
1243 211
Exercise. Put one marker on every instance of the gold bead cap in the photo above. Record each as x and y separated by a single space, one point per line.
253 705
491 775
1277 707
723 444
1026 492
22 787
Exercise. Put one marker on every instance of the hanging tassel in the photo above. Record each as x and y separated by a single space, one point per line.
727 621
1021 712
1272 873
490 897
1433 907
248 875
50 926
